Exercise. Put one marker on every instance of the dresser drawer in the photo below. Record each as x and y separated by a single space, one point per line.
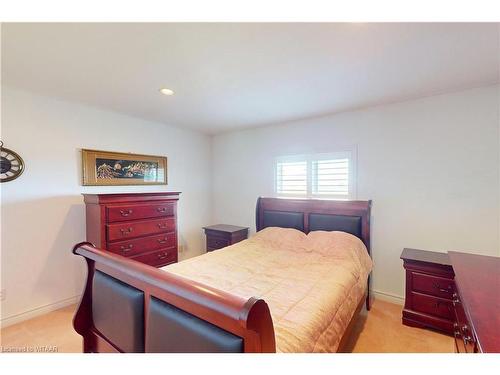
434 285
427 304
459 343
214 243
144 211
458 310
158 258
464 339
143 245
122 231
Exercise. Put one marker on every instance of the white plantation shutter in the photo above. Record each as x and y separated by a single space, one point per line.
291 178
331 178
326 176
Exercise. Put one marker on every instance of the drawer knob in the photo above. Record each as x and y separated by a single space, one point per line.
126 231
162 225
440 288
162 256
162 241
125 213
161 209
126 248
467 339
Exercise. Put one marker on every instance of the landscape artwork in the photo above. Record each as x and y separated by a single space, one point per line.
112 168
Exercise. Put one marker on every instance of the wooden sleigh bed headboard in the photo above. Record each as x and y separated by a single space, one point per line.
129 306
309 215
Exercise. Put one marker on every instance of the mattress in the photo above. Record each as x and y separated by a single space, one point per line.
311 283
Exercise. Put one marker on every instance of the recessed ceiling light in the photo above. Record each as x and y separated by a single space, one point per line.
166 91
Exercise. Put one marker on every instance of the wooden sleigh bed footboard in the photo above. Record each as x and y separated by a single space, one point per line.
131 307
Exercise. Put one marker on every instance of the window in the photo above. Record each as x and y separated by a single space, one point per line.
291 177
328 176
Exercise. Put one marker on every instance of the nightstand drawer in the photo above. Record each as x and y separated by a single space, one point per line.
434 285
436 306
216 243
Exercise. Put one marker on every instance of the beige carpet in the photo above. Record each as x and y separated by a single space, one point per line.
379 331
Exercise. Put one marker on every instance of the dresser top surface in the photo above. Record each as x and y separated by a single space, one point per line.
477 278
225 228
131 194
124 197
417 255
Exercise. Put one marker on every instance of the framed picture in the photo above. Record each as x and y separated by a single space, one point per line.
116 168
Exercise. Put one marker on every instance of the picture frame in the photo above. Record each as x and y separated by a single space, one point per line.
108 168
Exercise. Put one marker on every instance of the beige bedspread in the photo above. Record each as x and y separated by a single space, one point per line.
312 283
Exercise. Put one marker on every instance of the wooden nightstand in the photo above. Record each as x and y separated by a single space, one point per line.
429 290
222 235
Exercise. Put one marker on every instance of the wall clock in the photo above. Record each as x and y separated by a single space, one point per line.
11 164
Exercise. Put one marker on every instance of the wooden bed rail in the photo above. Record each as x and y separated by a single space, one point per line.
249 319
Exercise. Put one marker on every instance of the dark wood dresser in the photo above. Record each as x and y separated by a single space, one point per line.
141 226
222 235
476 302
429 290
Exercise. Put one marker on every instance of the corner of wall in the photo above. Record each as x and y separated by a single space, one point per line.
212 182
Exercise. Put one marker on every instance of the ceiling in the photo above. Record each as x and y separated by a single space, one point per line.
236 75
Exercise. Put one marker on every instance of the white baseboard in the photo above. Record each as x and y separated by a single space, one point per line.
388 297
18 318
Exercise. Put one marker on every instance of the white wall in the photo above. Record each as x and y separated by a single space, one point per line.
431 167
42 211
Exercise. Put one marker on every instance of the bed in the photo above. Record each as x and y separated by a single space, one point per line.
297 285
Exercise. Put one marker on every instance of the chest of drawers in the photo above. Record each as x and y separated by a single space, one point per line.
141 226
430 287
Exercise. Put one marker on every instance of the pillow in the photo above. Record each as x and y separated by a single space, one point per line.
283 238
339 245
